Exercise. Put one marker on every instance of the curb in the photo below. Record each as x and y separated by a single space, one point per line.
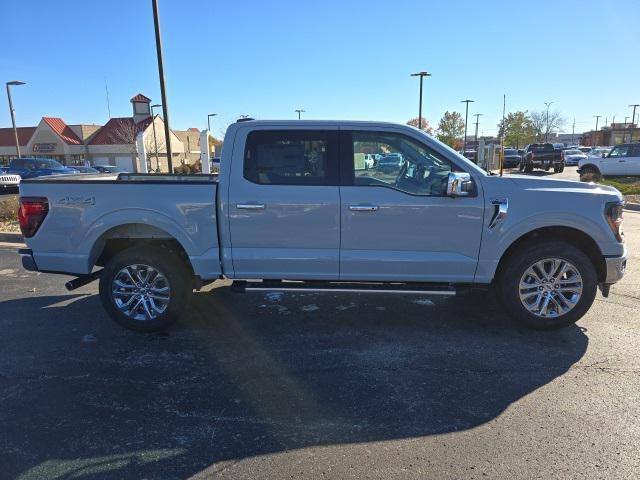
11 237
634 207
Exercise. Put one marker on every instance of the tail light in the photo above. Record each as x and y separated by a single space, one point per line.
533 156
613 212
31 213
562 155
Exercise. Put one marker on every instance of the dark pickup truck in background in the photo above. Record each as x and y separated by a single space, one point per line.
543 156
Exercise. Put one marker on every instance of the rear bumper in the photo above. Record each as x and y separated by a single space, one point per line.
28 262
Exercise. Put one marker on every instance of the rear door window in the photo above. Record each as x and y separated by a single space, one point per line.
291 157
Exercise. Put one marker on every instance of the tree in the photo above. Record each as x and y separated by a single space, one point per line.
544 125
451 129
517 129
425 125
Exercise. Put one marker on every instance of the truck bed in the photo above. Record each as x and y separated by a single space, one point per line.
85 210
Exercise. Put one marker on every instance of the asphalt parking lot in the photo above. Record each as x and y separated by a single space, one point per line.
316 386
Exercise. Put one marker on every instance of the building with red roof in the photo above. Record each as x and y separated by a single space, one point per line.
111 144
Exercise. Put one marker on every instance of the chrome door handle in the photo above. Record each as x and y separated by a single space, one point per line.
363 208
250 206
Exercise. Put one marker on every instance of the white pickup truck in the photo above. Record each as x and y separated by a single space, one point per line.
296 208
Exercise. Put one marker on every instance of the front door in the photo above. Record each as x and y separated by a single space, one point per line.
284 206
397 223
616 163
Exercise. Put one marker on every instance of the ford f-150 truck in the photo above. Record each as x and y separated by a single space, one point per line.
544 156
293 209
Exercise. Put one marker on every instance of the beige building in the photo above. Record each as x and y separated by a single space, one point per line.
111 144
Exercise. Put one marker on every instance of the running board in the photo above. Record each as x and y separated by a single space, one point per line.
242 286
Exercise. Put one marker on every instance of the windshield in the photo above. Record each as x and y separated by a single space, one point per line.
510 151
44 163
572 152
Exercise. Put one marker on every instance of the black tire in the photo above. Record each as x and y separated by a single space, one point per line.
517 264
528 168
561 169
589 173
547 167
521 166
176 273
556 170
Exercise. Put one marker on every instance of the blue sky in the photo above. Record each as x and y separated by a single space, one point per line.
335 59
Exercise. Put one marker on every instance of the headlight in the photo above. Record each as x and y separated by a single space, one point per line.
613 213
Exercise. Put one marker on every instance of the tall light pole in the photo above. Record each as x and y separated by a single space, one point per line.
466 117
633 118
299 112
209 120
163 93
546 133
13 113
421 75
624 131
595 135
155 140
477 115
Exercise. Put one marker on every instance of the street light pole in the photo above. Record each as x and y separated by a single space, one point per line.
477 115
163 93
466 117
209 120
546 133
299 112
421 75
633 118
13 113
595 135
155 140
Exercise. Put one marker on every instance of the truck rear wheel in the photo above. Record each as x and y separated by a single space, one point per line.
145 289
548 285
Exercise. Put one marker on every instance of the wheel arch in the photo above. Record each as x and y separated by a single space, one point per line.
573 236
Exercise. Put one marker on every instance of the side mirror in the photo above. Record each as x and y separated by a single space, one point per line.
604 155
459 184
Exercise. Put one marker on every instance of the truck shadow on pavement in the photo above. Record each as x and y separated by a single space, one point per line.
250 375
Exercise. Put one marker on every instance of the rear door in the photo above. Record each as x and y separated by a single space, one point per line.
397 224
284 204
633 161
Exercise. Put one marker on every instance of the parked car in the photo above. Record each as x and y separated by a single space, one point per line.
390 163
622 160
38 167
598 151
558 146
287 214
511 158
573 156
584 149
85 169
110 169
542 155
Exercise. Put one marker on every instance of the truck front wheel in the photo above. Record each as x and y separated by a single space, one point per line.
547 285
145 289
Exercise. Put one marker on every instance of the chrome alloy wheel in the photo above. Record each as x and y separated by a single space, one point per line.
550 287
140 292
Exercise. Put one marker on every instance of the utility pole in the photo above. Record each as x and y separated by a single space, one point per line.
209 120
421 75
546 133
13 112
477 115
501 157
299 112
466 117
163 93
633 118
573 131
595 135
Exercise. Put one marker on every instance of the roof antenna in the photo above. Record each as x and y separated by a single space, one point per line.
106 89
